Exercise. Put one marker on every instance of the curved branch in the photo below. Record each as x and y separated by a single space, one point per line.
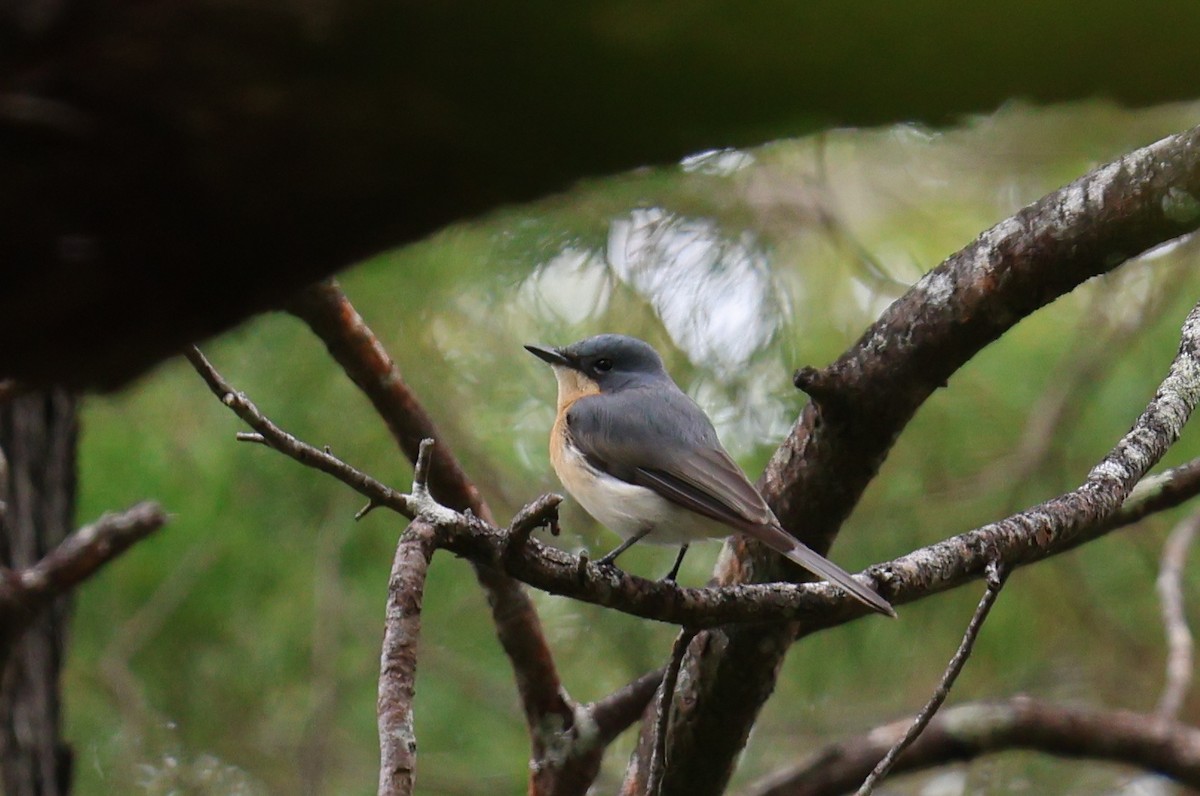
25 592
969 731
863 401
1042 531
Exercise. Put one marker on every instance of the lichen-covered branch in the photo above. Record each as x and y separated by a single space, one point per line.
1058 523
398 660
969 731
862 402
1042 531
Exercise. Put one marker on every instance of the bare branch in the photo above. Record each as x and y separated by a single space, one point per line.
398 661
1037 533
1067 520
614 713
359 352
1179 637
864 400
327 311
276 438
1158 492
23 593
995 582
662 718
969 731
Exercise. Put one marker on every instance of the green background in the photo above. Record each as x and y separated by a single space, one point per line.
237 650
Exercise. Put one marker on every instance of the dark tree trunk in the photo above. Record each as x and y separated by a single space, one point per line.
37 490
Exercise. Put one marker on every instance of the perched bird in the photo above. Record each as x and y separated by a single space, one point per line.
643 459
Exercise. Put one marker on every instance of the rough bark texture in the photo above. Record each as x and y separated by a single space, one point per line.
863 401
37 439
170 167
26 593
860 404
1042 531
398 661
970 731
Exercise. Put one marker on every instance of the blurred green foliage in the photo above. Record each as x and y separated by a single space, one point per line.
237 650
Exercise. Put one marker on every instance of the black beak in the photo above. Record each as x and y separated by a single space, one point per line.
550 355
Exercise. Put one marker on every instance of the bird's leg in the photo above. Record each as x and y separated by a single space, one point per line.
678 562
625 545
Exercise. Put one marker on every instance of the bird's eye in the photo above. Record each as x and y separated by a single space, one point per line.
603 365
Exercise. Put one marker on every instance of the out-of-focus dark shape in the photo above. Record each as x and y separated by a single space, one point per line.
168 168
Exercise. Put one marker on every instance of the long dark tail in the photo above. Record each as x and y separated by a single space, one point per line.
783 542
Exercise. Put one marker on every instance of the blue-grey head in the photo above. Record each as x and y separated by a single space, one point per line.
610 362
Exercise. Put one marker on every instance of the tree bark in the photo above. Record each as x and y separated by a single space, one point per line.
37 439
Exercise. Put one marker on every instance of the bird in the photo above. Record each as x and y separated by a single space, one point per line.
645 461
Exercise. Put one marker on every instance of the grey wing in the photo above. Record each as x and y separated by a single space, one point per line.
660 439
663 441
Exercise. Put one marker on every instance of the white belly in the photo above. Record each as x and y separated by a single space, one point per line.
627 509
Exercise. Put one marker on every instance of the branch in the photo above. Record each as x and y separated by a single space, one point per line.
1179 637
614 713
973 730
359 352
1079 515
662 715
277 439
25 592
995 582
398 661
863 401
1039 532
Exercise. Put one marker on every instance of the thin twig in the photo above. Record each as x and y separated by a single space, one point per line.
276 438
662 718
362 356
995 581
1179 637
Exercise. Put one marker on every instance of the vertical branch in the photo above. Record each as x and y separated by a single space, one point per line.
398 660
662 719
995 581
1179 637
355 347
